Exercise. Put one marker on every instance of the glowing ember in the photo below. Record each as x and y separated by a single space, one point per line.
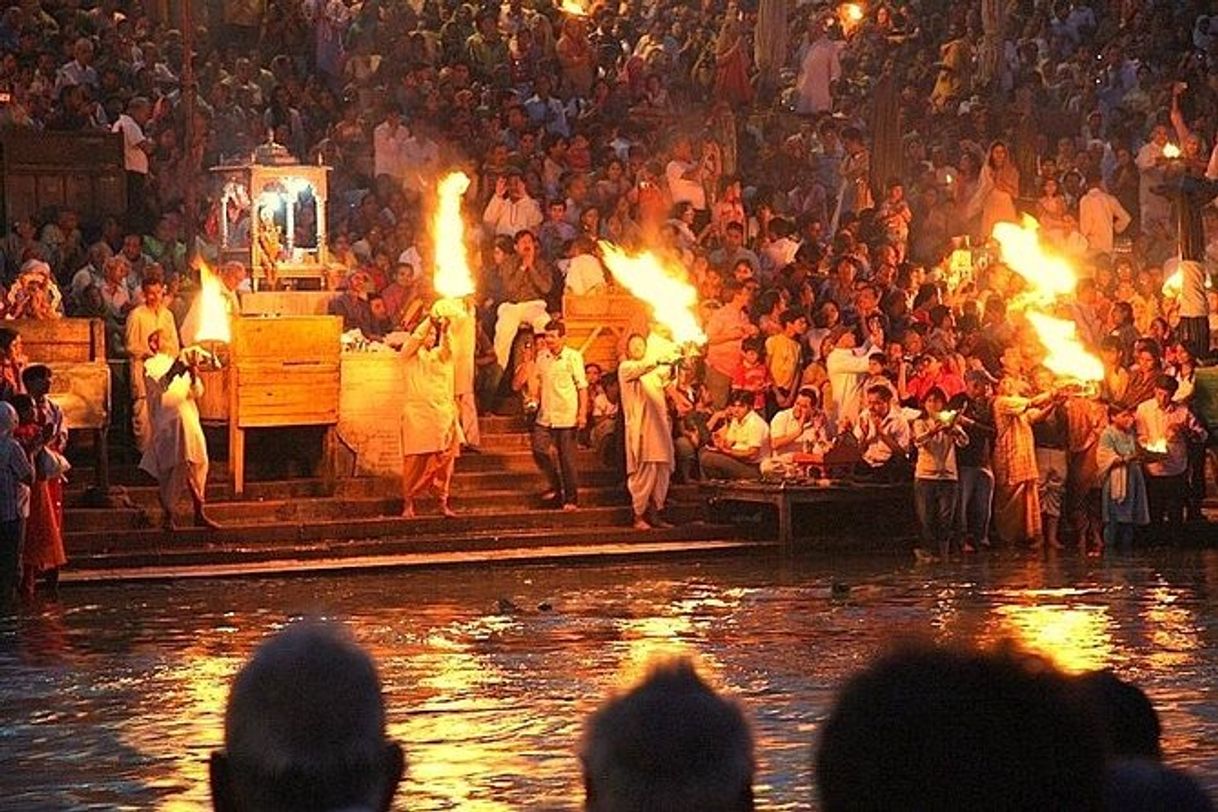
574 8
673 300
1067 358
1171 152
948 415
1157 447
213 309
452 278
852 12
1048 275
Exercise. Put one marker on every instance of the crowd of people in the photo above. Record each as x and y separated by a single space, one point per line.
816 172
919 728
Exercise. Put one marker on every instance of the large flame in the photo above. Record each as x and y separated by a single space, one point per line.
1048 275
452 278
673 300
213 308
1067 357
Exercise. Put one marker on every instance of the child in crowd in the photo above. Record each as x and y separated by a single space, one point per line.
1124 489
753 376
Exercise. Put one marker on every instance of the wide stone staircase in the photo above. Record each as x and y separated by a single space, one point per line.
309 523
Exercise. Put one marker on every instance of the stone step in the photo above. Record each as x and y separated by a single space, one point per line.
606 549
83 542
316 509
192 553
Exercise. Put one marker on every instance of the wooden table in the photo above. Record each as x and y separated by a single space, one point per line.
783 494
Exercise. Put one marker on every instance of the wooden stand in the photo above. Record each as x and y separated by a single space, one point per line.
599 325
284 372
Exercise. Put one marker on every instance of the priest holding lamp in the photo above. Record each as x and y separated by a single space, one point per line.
1166 428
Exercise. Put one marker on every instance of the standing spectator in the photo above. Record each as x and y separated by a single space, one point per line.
136 149
1166 428
43 551
937 435
16 473
848 366
1100 218
1124 489
388 143
783 356
562 412
150 317
1017 514
819 68
976 477
645 377
685 181
725 330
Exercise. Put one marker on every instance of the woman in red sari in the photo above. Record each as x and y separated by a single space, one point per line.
43 553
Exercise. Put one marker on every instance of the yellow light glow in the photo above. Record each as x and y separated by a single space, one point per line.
852 12
213 309
1173 285
1075 638
673 301
574 8
1157 446
452 278
1047 274
1171 152
1067 358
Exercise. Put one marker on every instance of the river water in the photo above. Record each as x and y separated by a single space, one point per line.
113 698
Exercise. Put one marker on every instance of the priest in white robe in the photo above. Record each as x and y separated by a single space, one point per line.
645 374
430 427
177 452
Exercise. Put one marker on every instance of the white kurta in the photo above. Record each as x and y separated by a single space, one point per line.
177 436
648 426
429 405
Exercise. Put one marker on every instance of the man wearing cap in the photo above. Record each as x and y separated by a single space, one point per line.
511 210
1163 423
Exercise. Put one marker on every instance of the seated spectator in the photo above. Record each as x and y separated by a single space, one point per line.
740 445
584 275
670 743
304 729
926 728
352 305
803 428
884 438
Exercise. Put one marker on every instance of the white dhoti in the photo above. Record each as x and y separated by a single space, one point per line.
141 420
192 475
467 409
648 486
510 316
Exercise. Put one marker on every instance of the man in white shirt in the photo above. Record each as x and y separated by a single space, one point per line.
562 412
388 142
740 446
80 70
511 210
684 177
1166 428
150 317
848 366
1100 218
419 158
136 149
799 429
884 438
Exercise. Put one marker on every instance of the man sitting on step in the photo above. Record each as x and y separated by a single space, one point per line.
740 445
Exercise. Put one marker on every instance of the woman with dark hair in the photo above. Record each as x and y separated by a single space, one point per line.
12 362
997 190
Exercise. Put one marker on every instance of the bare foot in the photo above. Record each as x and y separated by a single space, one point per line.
408 511
641 524
570 507
448 512
202 520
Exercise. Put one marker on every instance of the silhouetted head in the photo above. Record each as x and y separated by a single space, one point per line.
670 744
935 729
304 730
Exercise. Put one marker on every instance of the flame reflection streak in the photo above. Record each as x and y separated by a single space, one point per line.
1075 637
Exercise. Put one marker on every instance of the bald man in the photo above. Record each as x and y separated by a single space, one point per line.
304 730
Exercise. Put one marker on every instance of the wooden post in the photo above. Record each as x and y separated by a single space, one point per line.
236 436
189 98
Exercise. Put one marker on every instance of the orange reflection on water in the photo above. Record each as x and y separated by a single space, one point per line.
1173 630
1077 637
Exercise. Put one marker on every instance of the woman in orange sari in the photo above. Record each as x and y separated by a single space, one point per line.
43 553
731 62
